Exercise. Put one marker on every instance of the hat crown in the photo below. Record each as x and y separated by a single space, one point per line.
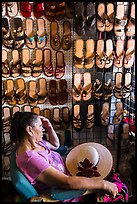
90 153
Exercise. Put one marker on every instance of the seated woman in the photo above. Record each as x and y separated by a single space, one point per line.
44 167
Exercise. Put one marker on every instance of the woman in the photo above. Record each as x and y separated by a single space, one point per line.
44 167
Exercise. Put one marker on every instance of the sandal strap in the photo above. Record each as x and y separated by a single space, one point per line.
10 95
87 89
121 22
79 60
34 98
89 59
25 7
77 89
48 69
77 120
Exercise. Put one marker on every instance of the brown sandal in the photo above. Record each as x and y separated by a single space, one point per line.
56 119
32 93
89 60
65 118
26 62
130 28
79 57
10 96
87 87
90 116
36 110
15 63
53 94
55 41
37 63
60 65
119 54
105 114
100 54
118 89
42 93
130 53
77 87
47 62
5 64
66 39
63 91
21 94
119 113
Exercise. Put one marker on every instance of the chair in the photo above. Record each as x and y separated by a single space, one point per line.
27 191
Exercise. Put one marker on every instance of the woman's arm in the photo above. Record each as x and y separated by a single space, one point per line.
53 140
53 177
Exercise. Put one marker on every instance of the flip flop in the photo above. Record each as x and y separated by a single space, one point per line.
60 65
36 110
55 41
21 93
110 17
130 28
38 9
105 114
98 86
119 113
10 96
130 54
118 88
15 109
42 92
11 9
49 8
90 116
65 118
127 88
30 33
26 108
109 54
26 62
77 118
7 39
89 60
100 54
41 33
77 87
37 63
120 20
100 17
63 91
108 86
56 118
79 57
47 62
119 54
5 64
111 136
79 18
25 9
32 93
66 38
87 87
53 94
125 133
60 10
15 63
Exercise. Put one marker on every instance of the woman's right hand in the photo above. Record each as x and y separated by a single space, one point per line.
111 188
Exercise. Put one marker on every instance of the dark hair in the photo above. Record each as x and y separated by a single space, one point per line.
19 122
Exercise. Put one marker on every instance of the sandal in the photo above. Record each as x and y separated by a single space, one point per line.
125 133
37 63
119 54
5 64
11 9
111 136
60 65
69 10
105 114
108 87
87 87
60 10
47 62
120 20
42 93
15 63
79 18
3 93
110 17
129 54
6 115
26 108
7 39
56 118
41 33
3 9
66 38
21 93
25 9
77 87
127 88
38 9
109 54
18 33
77 118
10 96
36 110
47 113
79 57
130 28
15 109
98 86
53 92
50 10
90 116
63 91
100 54
118 89
89 60
55 41
65 118
26 62
100 17
30 34
119 113
32 93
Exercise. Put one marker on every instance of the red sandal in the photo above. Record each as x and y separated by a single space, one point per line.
25 9
38 9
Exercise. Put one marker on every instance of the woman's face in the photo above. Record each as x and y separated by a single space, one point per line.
38 130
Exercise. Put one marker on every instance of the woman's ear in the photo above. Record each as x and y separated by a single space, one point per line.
29 130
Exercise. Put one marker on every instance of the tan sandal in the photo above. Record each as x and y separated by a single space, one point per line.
21 93
10 96
119 54
100 17
15 109
5 64
32 93
130 53
90 116
47 113
100 54
130 28
77 118
118 89
79 57
105 114
77 87
89 60
110 17
30 33
119 113
26 62
37 63
15 63
41 33
87 87
36 110
109 53
42 93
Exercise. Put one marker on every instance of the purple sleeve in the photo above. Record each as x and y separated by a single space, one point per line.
33 166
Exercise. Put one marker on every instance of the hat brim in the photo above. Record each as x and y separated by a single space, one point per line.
104 165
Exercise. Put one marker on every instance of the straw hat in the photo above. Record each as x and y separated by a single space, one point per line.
96 153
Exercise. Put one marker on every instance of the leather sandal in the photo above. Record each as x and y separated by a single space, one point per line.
55 41
129 54
119 54
108 86
105 114
111 136
30 33
56 118
130 28
42 92
98 86
79 56
7 39
89 60
66 38
60 65
26 62
101 17
110 17
50 10
41 33
65 118
90 116
37 63
36 110
109 54
21 93
127 88
63 91
60 10
47 113
10 96
77 87
119 113
32 93
87 87
15 63
53 94
5 64
118 89
100 54
77 118
47 62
